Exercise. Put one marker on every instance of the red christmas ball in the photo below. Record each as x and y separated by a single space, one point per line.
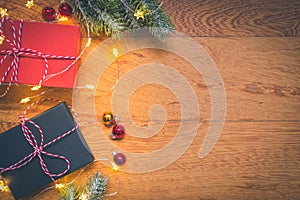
118 132
65 9
119 158
48 13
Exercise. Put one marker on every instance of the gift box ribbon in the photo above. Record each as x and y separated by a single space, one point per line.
17 51
38 149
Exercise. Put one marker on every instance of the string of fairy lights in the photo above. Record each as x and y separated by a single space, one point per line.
139 13
119 158
29 4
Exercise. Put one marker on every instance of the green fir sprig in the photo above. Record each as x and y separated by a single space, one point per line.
94 189
112 17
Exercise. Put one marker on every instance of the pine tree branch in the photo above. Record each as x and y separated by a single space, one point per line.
112 17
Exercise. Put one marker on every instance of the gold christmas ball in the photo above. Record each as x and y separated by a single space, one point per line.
108 118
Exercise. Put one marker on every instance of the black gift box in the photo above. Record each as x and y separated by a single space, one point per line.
14 147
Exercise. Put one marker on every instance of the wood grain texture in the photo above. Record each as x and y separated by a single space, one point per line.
275 18
258 153
235 17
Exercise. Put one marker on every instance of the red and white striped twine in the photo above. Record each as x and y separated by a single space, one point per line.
16 51
38 149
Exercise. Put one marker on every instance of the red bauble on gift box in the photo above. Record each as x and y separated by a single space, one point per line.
60 41
65 9
48 13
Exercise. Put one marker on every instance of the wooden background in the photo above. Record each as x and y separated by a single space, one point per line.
256 47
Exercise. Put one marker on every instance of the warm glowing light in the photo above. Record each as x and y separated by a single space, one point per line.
115 52
25 100
90 86
83 196
59 185
35 88
3 12
62 18
115 167
88 43
140 13
3 187
2 38
29 4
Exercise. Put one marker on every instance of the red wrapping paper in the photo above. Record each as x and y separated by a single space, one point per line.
52 39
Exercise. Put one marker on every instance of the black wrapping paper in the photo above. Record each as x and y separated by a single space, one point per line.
13 147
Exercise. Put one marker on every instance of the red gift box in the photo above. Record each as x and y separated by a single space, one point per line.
40 44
